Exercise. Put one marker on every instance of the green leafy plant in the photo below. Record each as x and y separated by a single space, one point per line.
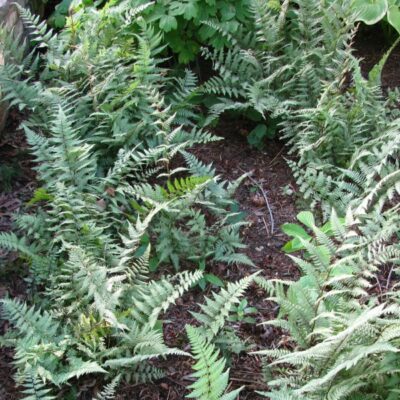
128 134
299 234
345 135
182 23
211 377
373 11
70 339
242 312
215 335
341 344
58 18
269 74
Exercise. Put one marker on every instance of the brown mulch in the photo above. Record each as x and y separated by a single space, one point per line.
233 157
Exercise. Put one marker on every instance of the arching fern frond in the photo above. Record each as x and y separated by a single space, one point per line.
211 377
216 310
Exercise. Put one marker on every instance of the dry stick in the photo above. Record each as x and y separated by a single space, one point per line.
273 160
389 277
379 285
271 217
266 226
185 378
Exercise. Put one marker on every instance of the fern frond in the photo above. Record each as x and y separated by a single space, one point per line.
216 309
211 379
157 296
34 388
10 241
32 324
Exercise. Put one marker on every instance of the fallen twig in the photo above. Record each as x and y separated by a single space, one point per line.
275 158
389 277
266 226
271 217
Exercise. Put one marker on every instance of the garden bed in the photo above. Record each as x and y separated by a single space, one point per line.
269 179
231 158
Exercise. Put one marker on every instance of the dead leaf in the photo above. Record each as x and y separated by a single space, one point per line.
258 200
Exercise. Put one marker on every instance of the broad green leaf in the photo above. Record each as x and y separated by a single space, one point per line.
153 264
213 279
257 135
370 11
393 15
59 21
202 265
327 228
294 245
295 230
186 56
306 218
202 283
168 23
141 250
288 247
228 11
190 11
63 7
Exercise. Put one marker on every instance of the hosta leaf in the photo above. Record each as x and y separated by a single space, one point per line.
393 15
370 11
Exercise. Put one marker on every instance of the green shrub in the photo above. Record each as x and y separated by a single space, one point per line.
182 23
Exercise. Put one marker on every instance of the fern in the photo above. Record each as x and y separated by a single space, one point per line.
34 389
211 379
297 72
154 298
339 340
10 241
216 310
30 322
103 120
108 392
37 30
281 68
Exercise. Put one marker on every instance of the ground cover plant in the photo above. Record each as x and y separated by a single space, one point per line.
127 220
